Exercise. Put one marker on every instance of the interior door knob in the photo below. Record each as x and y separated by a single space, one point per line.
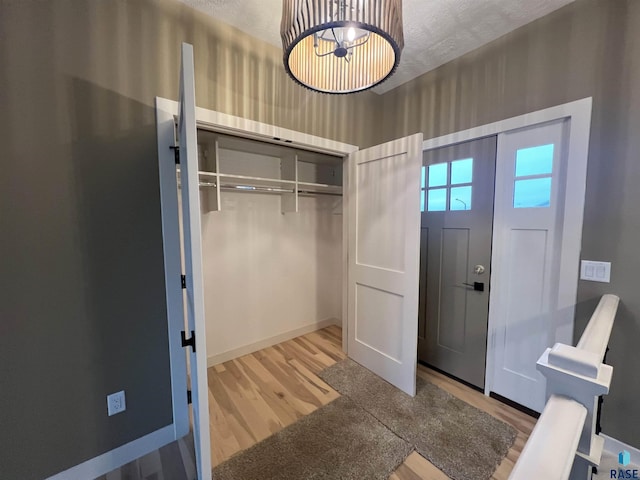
478 269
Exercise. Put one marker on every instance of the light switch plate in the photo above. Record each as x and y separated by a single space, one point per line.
595 271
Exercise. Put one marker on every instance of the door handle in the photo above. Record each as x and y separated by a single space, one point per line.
477 286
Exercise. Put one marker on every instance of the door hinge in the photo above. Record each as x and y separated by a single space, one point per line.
183 281
176 153
189 401
191 342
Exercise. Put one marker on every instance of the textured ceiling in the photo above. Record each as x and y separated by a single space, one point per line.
435 31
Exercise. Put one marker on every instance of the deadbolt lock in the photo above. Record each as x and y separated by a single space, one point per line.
478 269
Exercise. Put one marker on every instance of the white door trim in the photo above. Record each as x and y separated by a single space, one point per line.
225 123
579 114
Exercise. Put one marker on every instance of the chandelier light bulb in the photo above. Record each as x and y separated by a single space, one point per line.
351 34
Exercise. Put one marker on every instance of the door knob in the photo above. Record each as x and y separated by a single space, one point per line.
478 269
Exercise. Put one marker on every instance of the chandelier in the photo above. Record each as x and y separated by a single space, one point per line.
341 46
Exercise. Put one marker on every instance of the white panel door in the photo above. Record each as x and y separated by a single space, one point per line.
530 202
384 251
192 242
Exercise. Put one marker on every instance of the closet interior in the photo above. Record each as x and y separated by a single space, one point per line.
272 242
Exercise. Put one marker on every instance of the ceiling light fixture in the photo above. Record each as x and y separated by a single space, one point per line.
341 46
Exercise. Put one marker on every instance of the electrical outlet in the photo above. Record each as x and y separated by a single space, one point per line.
116 403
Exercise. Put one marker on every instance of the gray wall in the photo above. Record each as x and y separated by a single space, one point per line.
590 48
82 307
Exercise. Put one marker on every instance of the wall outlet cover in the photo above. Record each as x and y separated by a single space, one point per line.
116 403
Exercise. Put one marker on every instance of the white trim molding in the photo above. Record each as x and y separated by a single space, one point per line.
103 464
225 123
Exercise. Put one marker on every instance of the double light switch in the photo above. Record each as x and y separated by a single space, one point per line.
595 271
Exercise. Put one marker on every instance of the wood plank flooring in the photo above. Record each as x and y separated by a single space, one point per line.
256 395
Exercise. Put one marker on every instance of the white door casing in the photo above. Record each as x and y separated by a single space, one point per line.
192 242
384 249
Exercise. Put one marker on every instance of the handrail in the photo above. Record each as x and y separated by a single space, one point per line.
595 337
550 451
564 443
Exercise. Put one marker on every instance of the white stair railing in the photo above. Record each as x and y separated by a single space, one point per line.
565 435
550 450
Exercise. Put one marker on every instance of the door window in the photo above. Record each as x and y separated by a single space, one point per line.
533 174
447 186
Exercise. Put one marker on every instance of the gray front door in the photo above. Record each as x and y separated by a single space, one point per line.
455 256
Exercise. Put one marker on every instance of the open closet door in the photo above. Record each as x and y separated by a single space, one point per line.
384 256
192 241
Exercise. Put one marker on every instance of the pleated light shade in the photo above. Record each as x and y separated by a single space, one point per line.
312 29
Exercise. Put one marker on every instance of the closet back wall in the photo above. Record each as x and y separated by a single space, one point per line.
268 275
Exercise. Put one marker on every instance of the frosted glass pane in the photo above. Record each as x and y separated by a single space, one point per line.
423 182
437 200
438 174
534 160
533 193
460 198
462 171
422 194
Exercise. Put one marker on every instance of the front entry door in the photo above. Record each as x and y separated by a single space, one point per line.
457 218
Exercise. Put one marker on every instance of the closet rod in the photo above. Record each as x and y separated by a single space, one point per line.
248 188
309 192
262 189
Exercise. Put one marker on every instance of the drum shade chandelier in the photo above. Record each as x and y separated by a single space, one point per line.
341 46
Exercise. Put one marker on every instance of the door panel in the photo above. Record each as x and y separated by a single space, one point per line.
455 237
192 242
384 236
453 301
530 196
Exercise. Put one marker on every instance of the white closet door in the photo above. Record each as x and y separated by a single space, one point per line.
384 251
193 262
530 309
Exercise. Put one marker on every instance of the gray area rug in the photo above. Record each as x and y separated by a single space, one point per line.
462 441
337 441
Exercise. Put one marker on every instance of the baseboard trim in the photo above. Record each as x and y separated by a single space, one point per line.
268 342
614 446
119 456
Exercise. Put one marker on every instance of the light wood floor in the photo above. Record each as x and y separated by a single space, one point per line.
256 395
